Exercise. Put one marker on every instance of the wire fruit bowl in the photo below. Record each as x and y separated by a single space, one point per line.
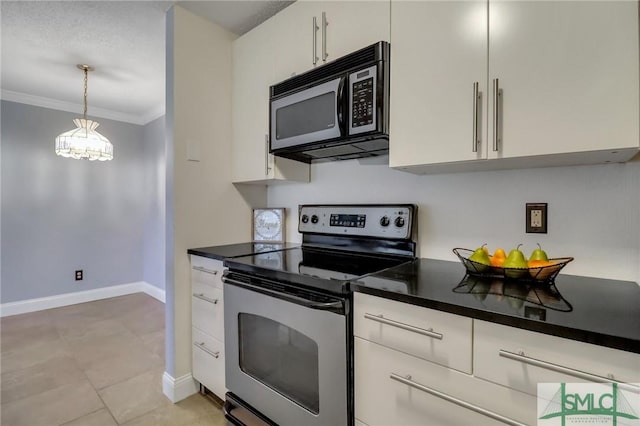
536 273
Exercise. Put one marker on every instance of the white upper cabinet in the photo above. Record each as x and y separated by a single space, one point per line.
566 72
352 25
438 62
253 73
312 33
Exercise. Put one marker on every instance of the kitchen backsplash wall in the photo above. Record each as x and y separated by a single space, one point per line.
594 211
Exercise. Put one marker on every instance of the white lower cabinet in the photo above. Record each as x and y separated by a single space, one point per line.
208 362
207 320
521 359
433 335
402 378
393 388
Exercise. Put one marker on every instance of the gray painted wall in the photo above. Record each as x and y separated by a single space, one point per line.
154 224
594 211
59 215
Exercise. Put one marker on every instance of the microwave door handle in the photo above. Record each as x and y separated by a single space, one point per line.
340 104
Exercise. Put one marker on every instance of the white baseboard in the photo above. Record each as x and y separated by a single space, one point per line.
180 388
42 303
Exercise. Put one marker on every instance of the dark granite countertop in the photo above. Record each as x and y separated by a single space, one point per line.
240 249
592 310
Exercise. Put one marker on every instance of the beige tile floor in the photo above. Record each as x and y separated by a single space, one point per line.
92 364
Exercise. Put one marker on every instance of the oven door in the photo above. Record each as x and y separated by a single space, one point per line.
286 356
310 115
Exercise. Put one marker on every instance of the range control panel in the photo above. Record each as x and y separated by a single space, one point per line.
379 221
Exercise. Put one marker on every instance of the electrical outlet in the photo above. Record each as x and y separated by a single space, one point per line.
79 275
536 218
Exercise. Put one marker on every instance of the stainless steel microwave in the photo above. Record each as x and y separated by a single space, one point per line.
337 111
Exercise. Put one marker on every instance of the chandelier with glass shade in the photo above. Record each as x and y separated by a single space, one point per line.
84 142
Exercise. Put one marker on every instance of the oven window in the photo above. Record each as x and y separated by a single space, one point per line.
281 358
307 116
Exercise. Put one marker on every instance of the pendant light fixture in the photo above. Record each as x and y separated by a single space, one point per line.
84 141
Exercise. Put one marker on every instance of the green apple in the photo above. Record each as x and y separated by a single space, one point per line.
481 257
515 264
539 254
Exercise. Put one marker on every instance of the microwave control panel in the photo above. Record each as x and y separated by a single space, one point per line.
380 221
362 100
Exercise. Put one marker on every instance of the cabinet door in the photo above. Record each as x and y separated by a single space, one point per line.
393 388
569 75
208 362
353 25
293 45
521 359
252 76
253 73
439 51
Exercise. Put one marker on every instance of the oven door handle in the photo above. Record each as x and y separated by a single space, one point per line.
289 297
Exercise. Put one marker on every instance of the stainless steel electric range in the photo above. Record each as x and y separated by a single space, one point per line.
288 337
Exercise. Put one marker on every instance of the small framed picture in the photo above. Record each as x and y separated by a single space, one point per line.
268 225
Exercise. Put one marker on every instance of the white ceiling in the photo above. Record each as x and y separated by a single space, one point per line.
42 41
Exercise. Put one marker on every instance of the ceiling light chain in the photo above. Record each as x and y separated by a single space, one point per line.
86 79
84 141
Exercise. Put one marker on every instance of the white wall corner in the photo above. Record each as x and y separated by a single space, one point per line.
180 388
153 291
42 303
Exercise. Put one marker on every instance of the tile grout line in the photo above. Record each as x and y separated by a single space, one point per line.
84 373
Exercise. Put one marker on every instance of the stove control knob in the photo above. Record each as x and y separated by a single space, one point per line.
384 221
305 218
314 219
399 222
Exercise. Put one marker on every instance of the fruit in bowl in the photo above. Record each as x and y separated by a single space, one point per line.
540 265
481 257
515 265
498 258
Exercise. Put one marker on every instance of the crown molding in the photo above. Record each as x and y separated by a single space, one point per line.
41 101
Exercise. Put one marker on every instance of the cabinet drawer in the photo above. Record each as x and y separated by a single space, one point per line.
383 400
206 271
207 310
208 362
436 336
521 359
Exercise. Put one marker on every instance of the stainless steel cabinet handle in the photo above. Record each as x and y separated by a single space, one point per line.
267 169
565 370
381 319
476 100
315 40
202 346
325 55
407 381
205 270
497 113
201 296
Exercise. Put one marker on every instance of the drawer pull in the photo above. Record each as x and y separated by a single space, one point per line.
407 381
205 270
565 370
202 346
201 296
383 320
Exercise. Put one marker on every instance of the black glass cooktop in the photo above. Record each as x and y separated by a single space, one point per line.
323 269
